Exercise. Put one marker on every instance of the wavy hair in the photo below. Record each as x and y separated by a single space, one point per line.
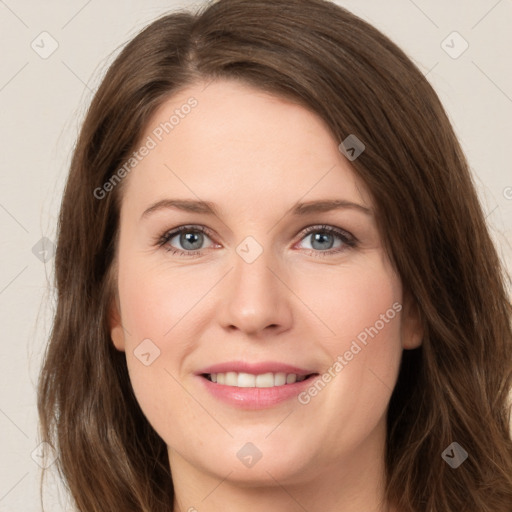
455 387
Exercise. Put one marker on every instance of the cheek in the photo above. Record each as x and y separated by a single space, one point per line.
159 303
158 315
353 303
362 309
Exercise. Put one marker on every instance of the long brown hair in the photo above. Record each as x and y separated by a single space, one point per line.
454 388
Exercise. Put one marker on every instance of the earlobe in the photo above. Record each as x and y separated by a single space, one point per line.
412 329
116 328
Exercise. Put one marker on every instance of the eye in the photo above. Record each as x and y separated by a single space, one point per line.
325 240
190 238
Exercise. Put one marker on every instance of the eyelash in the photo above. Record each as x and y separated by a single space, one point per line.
349 241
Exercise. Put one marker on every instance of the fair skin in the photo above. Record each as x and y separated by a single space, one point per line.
254 156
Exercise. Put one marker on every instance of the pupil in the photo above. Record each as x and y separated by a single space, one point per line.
320 237
189 238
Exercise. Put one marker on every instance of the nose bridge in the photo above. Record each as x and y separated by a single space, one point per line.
256 298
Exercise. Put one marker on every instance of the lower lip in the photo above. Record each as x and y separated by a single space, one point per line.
256 398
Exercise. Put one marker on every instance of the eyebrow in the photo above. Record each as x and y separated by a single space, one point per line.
300 209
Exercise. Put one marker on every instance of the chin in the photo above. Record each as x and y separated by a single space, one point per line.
260 463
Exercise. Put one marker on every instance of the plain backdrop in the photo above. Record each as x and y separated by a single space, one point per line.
43 98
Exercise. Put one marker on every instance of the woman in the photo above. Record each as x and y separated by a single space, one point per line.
367 370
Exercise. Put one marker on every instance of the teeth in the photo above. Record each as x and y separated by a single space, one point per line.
279 379
248 380
231 379
291 378
265 380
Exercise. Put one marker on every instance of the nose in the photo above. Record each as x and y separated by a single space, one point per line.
256 298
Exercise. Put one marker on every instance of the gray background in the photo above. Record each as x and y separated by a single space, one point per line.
43 100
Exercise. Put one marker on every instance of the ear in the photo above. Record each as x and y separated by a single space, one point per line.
116 328
411 328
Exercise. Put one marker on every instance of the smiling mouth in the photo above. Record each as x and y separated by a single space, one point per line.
249 380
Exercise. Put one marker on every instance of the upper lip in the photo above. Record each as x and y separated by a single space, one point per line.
254 368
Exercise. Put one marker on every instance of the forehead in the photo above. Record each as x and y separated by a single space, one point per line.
227 139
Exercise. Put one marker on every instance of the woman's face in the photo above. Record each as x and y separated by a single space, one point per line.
286 301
